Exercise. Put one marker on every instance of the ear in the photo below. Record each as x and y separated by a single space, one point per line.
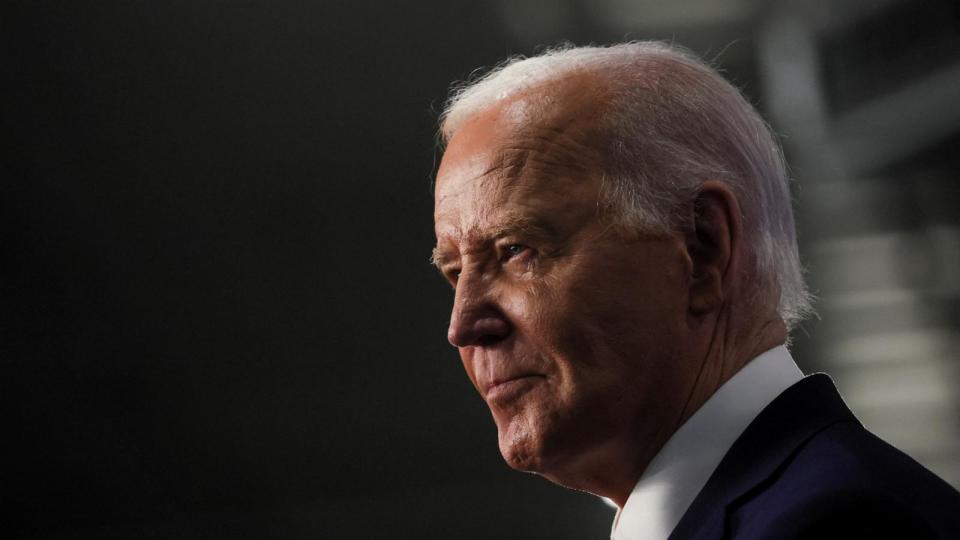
713 246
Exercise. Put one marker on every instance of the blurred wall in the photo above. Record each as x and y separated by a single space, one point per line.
217 316
865 94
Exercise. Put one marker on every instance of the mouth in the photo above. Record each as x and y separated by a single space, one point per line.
505 389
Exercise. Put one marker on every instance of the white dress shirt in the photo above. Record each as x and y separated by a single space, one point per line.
681 468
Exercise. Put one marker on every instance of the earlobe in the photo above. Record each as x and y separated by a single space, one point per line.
711 245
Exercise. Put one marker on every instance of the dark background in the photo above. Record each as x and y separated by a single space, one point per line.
217 314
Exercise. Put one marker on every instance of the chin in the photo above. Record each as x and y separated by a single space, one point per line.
520 446
562 448
520 458
529 455
526 447
536 437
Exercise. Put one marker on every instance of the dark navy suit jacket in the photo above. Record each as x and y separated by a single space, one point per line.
806 468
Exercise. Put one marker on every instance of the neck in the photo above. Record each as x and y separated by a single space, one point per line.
730 348
728 352
612 470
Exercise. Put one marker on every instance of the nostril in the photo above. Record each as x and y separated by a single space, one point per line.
479 331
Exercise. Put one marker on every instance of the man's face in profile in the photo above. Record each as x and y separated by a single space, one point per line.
571 332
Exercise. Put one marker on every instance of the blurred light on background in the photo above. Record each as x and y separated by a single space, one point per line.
865 94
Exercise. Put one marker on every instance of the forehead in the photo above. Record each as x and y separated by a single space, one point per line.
536 153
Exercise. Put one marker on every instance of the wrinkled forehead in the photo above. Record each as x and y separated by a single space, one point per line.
542 144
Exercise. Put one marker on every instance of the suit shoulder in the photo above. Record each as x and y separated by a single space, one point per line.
844 482
847 456
844 514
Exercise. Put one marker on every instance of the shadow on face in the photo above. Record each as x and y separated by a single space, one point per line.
572 333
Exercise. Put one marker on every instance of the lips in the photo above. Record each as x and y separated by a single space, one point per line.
512 386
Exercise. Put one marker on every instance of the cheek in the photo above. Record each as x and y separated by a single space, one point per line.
541 314
616 321
587 315
534 310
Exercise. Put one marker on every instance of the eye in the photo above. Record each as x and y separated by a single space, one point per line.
512 250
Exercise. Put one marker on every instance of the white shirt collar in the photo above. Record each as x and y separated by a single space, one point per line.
681 468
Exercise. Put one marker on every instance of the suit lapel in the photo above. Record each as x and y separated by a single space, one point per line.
756 457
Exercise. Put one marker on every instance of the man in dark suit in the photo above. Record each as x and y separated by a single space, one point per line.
616 225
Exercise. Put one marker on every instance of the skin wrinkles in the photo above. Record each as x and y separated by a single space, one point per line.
524 221
545 311
546 154
589 346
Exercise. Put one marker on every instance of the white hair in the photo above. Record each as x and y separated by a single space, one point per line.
673 123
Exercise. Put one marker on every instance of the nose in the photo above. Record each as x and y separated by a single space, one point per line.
476 319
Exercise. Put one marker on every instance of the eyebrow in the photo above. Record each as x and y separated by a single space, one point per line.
524 224
438 258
